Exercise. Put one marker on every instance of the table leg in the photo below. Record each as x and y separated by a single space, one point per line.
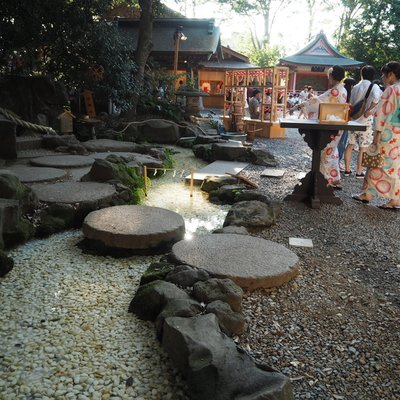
314 187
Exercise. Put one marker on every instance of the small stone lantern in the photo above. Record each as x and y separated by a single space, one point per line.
194 103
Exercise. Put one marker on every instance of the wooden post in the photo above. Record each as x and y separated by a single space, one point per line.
145 179
191 181
176 53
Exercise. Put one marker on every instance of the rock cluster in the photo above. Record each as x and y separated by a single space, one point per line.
195 317
251 209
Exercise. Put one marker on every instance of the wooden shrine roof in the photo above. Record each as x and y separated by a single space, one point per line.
203 37
319 52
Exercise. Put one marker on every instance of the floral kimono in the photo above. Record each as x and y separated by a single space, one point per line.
329 155
385 181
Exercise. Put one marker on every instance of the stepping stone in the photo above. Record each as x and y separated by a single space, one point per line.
249 261
77 173
133 158
218 168
73 192
63 161
28 174
105 145
134 227
273 173
300 242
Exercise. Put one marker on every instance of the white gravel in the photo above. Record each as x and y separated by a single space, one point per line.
65 332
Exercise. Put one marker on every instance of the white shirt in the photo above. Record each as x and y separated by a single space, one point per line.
360 90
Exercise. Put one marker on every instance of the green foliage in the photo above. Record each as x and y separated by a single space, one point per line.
70 41
129 177
266 57
156 271
169 161
152 105
374 37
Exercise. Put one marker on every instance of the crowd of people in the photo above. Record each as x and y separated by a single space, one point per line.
380 113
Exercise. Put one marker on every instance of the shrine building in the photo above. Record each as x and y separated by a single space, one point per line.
310 65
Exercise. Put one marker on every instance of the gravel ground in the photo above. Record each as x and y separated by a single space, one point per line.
335 329
65 332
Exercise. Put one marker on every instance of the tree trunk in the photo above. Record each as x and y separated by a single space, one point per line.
144 47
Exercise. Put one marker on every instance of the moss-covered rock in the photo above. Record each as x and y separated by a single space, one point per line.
203 151
24 230
12 188
156 271
6 263
50 225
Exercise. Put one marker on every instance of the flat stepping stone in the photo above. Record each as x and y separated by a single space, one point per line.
133 158
249 261
300 242
218 168
27 174
134 227
73 192
63 161
77 173
273 173
105 145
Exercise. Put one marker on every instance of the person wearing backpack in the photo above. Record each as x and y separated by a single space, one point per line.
364 98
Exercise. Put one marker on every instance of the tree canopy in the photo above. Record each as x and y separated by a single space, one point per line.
71 41
374 37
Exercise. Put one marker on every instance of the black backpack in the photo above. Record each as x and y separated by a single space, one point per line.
358 109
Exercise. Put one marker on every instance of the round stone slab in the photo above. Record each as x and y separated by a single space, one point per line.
73 192
63 161
249 261
29 174
134 227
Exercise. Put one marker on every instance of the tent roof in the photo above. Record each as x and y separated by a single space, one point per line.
320 52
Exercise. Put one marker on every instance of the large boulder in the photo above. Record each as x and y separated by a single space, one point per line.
214 367
252 214
260 157
159 131
12 188
228 151
55 141
150 299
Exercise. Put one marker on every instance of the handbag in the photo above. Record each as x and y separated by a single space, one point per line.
358 109
372 157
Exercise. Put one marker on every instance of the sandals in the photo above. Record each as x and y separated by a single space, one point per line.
358 198
386 207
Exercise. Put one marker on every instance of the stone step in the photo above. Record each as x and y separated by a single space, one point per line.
28 143
34 153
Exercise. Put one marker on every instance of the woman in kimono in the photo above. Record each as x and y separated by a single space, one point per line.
329 166
385 181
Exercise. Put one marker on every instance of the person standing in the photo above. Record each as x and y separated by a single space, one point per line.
254 105
363 138
385 181
329 166
348 85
